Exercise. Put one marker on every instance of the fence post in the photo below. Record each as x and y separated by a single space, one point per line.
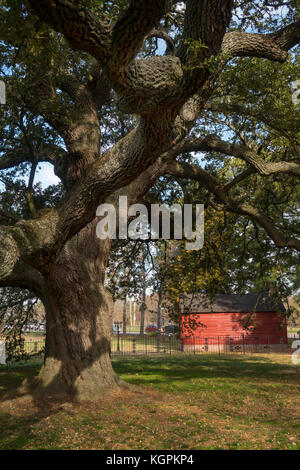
219 346
194 344
134 346
118 340
243 336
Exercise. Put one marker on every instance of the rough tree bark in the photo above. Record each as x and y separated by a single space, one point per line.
78 318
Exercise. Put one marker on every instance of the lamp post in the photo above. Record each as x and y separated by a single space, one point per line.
118 336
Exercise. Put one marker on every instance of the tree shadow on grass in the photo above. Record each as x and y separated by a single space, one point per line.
172 369
22 411
16 431
12 376
18 427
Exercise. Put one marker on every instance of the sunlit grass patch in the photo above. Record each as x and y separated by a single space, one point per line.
177 402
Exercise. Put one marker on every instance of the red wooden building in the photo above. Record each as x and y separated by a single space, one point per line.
232 321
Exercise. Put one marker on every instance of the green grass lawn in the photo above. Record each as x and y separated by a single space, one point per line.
177 402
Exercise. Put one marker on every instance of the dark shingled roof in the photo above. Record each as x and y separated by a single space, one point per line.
222 303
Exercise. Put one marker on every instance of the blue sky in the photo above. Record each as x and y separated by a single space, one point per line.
46 175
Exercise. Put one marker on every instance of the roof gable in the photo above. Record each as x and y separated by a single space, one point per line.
234 303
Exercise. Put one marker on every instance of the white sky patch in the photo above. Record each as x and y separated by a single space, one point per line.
161 47
46 175
180 6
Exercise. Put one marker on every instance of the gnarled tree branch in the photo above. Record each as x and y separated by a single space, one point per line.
273 46
214 143
184 170
15 157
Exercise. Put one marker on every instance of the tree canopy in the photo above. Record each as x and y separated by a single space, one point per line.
156 100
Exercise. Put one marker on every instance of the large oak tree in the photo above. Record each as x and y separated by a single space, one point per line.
69 61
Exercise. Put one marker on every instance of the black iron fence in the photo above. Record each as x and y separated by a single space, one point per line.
293 335
134 344
144 344
24 350
163 344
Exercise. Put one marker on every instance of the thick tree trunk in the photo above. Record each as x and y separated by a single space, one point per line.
79 323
